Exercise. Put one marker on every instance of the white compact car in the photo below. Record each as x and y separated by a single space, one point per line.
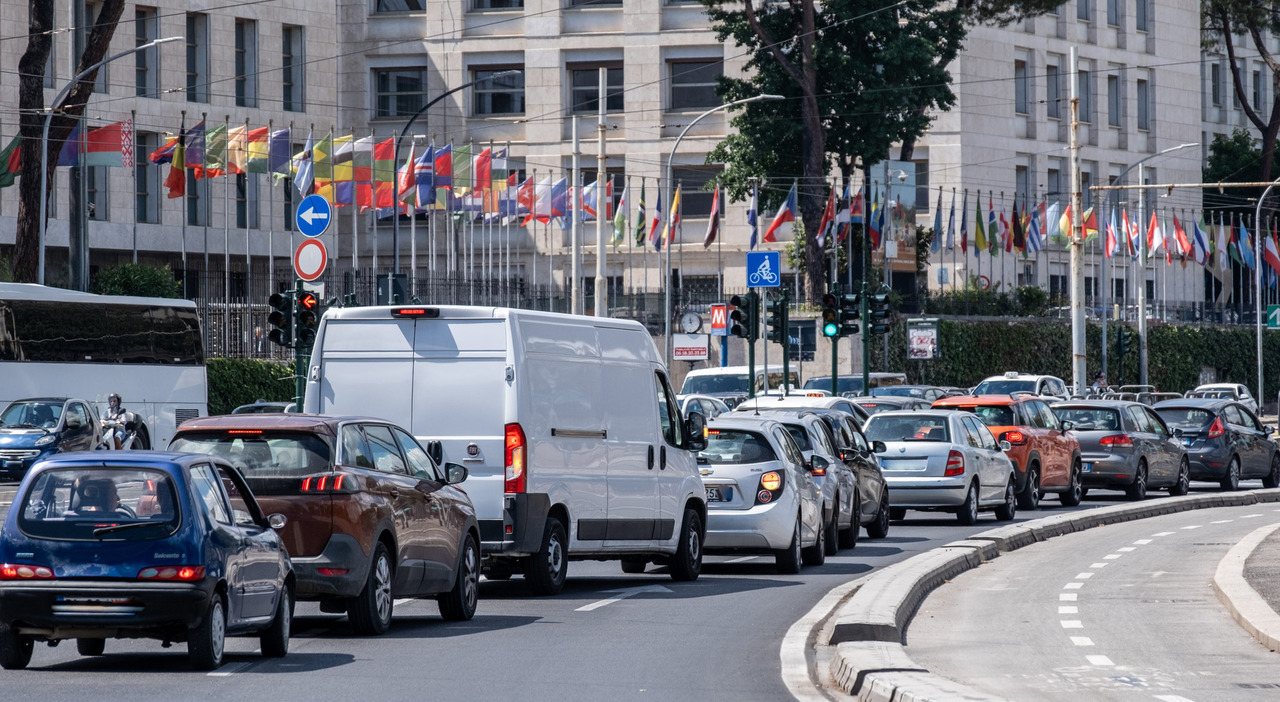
1013 381
768 402
943 460
760 496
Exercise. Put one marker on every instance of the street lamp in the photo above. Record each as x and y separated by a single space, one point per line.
1257 281
395 162
735 103
44 140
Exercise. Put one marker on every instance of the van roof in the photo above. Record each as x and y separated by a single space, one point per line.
735 370
477 312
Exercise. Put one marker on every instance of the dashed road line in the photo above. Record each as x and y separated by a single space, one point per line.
1098 565
1099 661
1084 576
1193 526
226 670
1126 549
1073 586
1082 640
1251 516
1068 596
1176 698
1142 542
1163 533
1072 624
1068 610
1112 556
1223 521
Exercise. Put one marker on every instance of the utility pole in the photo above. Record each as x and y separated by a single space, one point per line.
602 301
575 243
1078 367
1141 277
78 221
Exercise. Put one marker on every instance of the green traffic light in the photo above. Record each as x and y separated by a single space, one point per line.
830 329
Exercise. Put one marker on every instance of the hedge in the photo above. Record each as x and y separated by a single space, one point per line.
972 350
239 381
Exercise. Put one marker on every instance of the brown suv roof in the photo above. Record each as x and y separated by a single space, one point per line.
321 424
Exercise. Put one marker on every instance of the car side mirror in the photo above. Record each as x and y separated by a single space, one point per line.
879 447
1177 432
818 463
1068 425
1005 445
455 473
276 520
435 451
1270 429
695 431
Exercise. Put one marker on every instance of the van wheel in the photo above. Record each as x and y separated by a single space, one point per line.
634 565
686 564
91 647
15 649
370 611
545 570
788 560
459 604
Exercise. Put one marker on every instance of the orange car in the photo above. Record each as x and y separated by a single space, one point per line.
1045 454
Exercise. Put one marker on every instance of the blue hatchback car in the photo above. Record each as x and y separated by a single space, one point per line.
39 427
139 544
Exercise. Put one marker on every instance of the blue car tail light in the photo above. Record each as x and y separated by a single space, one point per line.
20 571
181 573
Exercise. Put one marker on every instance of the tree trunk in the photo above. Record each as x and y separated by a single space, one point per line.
32 118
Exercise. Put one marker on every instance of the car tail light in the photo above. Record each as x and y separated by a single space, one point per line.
333 571
1116 440
423 312
770 486
1014 437
20 571
515 458
1218 428
330 483
955 464
180 573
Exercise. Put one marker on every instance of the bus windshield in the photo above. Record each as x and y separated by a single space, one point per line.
709 384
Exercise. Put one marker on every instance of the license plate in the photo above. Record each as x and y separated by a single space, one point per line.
715 494
1188 442
1088 467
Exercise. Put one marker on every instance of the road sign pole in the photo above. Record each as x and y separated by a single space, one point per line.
300 357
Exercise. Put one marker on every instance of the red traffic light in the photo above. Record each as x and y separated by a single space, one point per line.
307 301
828 300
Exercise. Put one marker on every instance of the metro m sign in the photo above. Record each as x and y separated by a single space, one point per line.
719 320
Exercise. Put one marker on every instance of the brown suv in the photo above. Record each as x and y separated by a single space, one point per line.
370 516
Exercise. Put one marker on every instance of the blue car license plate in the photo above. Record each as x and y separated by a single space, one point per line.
716 494
1088 467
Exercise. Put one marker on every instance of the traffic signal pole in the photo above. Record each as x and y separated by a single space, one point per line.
866 332
301 357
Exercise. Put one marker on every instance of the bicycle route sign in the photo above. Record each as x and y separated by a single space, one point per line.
764 269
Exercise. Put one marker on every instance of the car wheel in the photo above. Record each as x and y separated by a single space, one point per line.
1231 481
898 514
545 570
967 512
370 611
849 537
1138 489
1007 511
1075 488
816 554
788 560
459 604
686 564
1272 479
274 640
207 641
1029 498
1183 486
15 649
634 565
880 527
91 647
831 540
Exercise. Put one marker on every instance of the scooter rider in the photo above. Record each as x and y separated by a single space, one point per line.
117 419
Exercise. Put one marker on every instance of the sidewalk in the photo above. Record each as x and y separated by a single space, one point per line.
1262 570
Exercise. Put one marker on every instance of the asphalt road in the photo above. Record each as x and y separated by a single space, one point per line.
1123 612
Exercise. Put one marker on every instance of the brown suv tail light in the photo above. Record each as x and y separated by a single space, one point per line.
1014 437
516 456
330 483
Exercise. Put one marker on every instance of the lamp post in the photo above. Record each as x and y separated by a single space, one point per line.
395 161
1257 281
44 140
735 103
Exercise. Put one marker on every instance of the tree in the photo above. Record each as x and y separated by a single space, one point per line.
137 279
1234 158
65 115
1221 20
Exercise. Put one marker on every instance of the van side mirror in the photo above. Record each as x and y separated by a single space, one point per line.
435 451
455 473
695 431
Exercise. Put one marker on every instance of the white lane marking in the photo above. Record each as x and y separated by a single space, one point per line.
1126 549
1098 565
1163 533
1082 640
1223 521
1073 586
1142 542
622 595
1068 596
1193 526
1250 516
228 670
1176 698
1099 660
1068 610
1084 576
744 559
1158 573
1112 556
1072 624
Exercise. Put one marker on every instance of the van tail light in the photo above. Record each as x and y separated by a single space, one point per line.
1218 428
516 456
1116 440
179 573
955 464
330 483
21 571
1015 437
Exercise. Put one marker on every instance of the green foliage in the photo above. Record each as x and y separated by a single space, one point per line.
1233 158
137 279
1023 301
6 271
239 381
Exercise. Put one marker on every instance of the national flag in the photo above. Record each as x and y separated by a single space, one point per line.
875 221
1246 246
407 178
559 193
620 217
1201 241
753 216
640 220
980 229
855 208
237 149
384 173
341 190
482 170
1006 235
104 146
215 153
193 147
951 223
964 224
1155 235
1130 233
444 167
993 226
842 216
257 142
1053 222
279 163
1090 225
1270 254
935 245
1035 233
304 171
589 197
176 181
362 174
713 222
657 222
322 162
10 162
1222 256
164 154
1180 234
669 231
462 167
1112 241
828 220
424 178
786 213
1019 238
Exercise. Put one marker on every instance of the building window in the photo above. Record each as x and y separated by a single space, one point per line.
498 5
1235 94
695 197
1053 184
399 6
197 200
399 92
147 62
197 57
585 86
1053 91
246 52
1058 286
50 63
97 183
1144 105
1020 87
1086 181
1021 185
1114 99
91 10
693 84
1083 10
1113 12
1215 83
293 68
1141 11
922 186
1084 82
500 96
593 3
146 197
1257 88
246 202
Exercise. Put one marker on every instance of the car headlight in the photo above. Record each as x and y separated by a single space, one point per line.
46 440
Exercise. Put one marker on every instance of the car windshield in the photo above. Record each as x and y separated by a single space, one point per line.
1185 416
992 415
1002 386
1089 418
729 446
100 504
31 414
704 384
801 436
261 455
899 428
897 391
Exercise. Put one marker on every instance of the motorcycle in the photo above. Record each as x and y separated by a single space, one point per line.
121 433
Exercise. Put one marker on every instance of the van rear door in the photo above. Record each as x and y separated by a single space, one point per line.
367 365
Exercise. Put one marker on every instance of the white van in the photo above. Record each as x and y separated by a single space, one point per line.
729 383
568 427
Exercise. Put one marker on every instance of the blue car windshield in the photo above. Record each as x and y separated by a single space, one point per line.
31 414
100 504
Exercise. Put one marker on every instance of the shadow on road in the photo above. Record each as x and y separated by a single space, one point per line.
412 626
176 662
590 589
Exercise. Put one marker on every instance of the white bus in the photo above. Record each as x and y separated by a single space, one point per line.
63 343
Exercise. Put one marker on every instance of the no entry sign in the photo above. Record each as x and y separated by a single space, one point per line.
309 260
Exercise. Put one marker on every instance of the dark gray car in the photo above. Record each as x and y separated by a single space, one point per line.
1224 441
1125 445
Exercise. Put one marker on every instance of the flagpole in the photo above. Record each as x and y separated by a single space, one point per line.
133 116
208 215
226 239
248 259
271 222
411 169
185 269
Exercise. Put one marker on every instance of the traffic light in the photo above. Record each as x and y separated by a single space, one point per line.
849 314
1124 340
776 323
878 310
281 319
309 311
745 316
830 316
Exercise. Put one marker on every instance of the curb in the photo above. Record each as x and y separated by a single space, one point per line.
1246 606
870 661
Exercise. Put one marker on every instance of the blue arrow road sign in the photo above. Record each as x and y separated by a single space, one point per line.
313 215
764 269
